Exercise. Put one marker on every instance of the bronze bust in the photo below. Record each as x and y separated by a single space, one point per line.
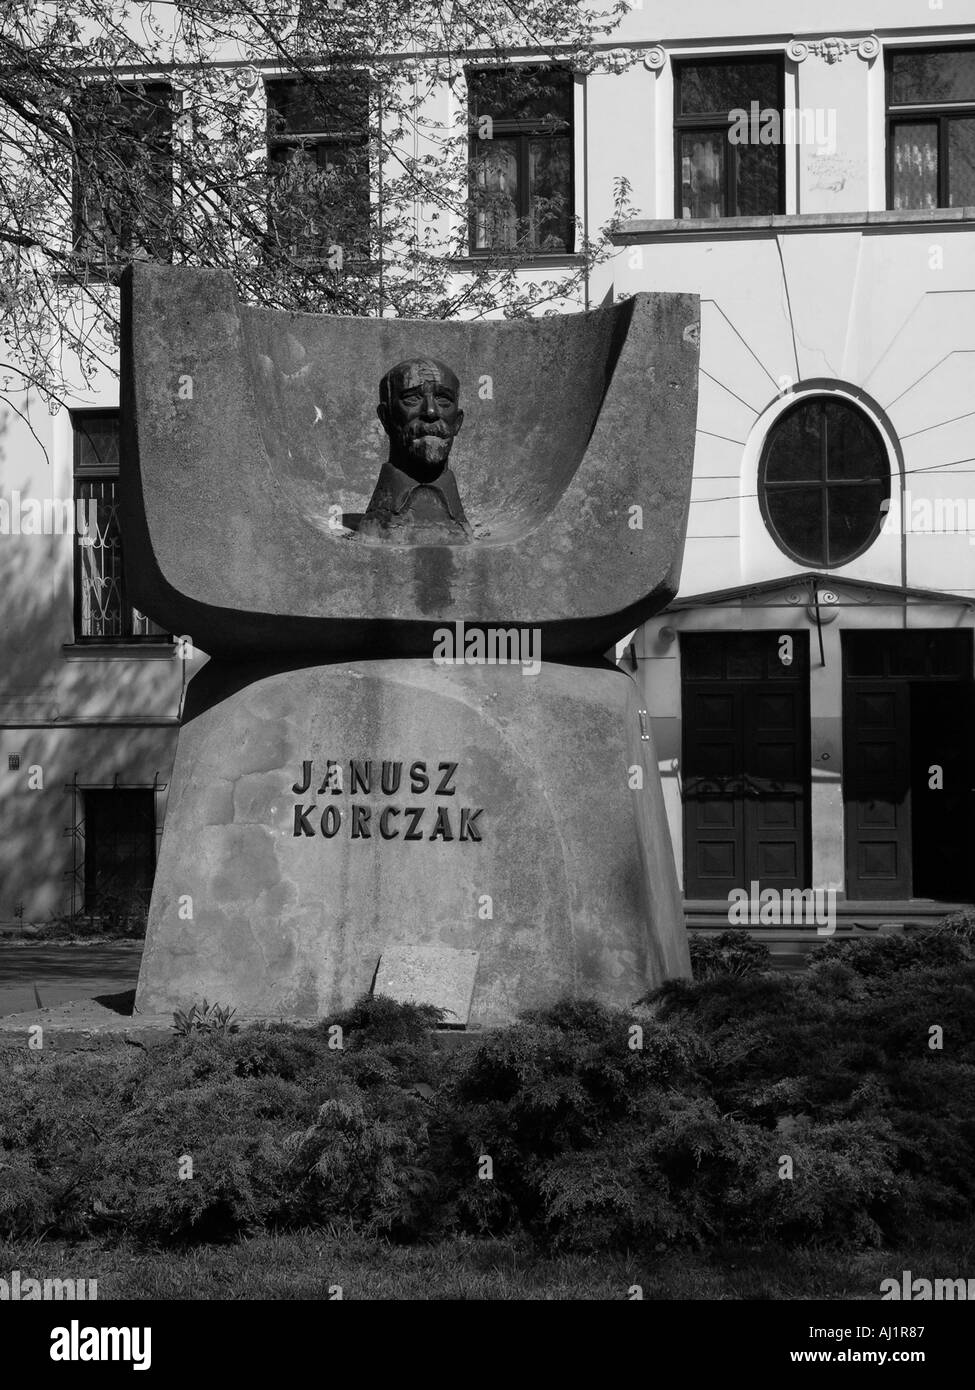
415 501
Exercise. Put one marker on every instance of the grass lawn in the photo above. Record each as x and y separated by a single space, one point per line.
305 1265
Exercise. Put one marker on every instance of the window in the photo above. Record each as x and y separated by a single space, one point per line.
101 611
823 479
931 128
717 175
120 851
521 160
318 149
123 171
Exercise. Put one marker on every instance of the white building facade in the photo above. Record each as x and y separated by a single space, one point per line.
810 688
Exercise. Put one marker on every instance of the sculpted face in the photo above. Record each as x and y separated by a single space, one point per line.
419 411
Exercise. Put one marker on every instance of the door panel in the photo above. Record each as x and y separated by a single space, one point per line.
745 762
908 707
877 789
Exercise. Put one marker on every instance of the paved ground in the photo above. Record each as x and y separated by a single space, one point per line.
61 972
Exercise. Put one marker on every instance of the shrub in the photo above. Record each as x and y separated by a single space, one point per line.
960 924
733 953
878 957
604 1128
376 1019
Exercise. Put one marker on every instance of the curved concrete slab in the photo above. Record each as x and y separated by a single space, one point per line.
251 437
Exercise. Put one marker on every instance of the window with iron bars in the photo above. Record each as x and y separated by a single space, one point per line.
102 612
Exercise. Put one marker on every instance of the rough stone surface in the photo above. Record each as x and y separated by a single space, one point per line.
439 975
250 434
571 889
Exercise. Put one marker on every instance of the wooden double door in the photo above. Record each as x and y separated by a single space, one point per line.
908 724
745 760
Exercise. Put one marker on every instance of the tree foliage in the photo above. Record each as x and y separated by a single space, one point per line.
156 130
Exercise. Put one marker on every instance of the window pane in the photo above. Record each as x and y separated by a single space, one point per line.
795 451
916 165
849 499
549 187
934 77
328 104
701 656
123 170
758 180
747 655
853 515
703 155
707 88
796 515
319 198
96 440
528 94
496 194
853 447
961 163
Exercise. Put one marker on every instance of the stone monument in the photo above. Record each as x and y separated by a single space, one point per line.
407 765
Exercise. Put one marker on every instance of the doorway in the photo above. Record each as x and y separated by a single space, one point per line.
745 709
908 716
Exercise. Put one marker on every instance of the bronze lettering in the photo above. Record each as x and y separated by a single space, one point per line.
333 779
442 828
468 830
390 777
387 775
448 770
360 780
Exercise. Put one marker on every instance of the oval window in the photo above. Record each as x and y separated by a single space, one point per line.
822 482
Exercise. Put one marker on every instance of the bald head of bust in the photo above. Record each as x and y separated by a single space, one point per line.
420 412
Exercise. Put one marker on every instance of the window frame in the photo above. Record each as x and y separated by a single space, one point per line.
337 139
710 121
523 131
79 473
916 113
81 232
824 483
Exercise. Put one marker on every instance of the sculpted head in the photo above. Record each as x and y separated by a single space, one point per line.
419 410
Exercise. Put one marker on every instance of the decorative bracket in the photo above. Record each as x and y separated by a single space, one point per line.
834 50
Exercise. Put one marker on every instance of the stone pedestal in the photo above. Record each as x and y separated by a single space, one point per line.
332 825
